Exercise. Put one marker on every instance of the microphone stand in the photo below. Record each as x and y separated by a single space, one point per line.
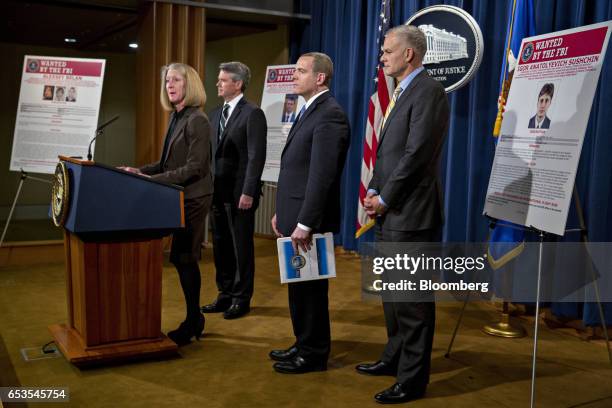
99 132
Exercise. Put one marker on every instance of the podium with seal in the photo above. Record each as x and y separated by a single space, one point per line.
113 225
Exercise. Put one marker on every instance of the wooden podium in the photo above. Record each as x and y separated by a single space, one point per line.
113 224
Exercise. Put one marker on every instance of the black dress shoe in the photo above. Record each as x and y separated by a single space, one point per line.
284 355
299 366
397 394
216 307
186 330
377 368
236 310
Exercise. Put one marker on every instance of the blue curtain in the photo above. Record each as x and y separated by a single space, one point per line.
346 29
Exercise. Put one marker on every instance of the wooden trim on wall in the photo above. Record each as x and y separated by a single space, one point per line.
20 253
168 33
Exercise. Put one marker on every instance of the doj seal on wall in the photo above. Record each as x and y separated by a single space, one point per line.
60 194
454 44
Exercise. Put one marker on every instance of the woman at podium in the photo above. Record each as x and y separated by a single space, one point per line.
185 161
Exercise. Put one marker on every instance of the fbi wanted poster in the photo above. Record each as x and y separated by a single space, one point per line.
281 106
546 117
57 113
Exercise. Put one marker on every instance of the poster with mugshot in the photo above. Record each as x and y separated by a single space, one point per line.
281 107
57 113
543 128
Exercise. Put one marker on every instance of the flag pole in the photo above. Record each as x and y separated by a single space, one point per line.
505 83
368 222
504 328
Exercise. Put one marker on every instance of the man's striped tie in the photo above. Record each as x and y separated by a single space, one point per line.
396 94
223 120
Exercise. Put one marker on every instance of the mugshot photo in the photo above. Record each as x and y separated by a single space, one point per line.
545 97
60 93
289 108
48 91
72 94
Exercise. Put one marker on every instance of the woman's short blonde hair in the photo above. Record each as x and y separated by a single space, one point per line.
194 89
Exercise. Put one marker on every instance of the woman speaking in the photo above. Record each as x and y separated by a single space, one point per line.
185 161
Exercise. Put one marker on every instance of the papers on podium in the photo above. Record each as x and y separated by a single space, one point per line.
318 263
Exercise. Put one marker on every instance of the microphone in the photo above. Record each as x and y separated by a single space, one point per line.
99 131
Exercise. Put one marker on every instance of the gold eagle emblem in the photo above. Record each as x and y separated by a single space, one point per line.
60 194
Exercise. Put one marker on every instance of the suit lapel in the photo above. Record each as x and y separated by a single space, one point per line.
398 104
296 125
178 128
232 119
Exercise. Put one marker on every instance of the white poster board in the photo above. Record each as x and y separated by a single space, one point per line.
57 113
281 107
537 154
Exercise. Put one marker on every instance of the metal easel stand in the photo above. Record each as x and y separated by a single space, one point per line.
537 311
584 237
450 345
500 329
537 318
536 325
22 179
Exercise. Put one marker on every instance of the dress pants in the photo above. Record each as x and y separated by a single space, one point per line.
410 325
235 267
308 306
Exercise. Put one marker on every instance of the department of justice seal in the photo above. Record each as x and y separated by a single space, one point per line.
298 262
454 44
60 195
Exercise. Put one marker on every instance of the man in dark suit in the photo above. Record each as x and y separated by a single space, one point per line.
405 197
238 135
307 202
540 120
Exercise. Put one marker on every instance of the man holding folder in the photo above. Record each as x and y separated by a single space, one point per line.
307 202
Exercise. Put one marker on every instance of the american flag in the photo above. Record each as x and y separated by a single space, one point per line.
379 100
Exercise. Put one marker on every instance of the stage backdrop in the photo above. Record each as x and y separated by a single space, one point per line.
345 30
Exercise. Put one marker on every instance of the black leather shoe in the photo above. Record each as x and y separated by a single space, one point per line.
236 310
186 330
284 355
397 394
216 307
299 366
377 368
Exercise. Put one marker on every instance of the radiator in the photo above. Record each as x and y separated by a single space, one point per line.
267 208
